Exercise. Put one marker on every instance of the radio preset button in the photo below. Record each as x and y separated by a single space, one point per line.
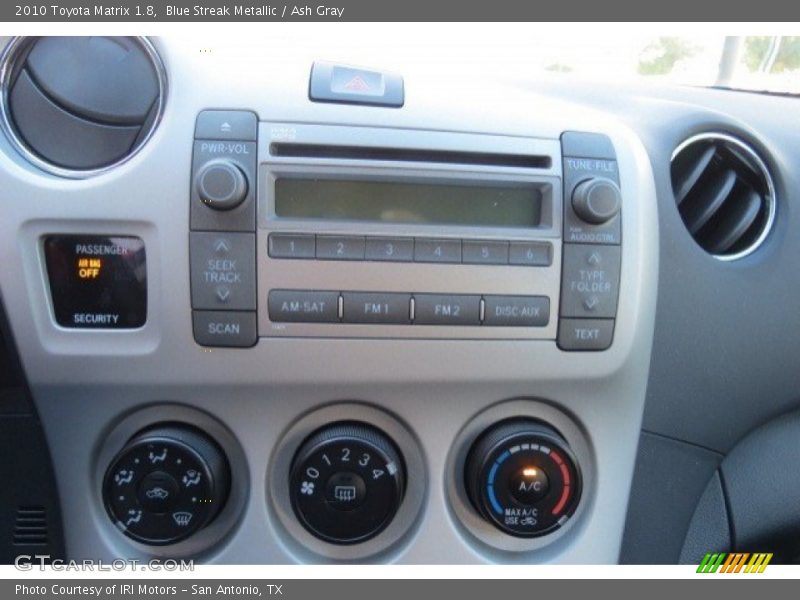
396 249
590 283
516 311
531 254
484 252
376 307
291 245
438 251
340 247
232 329
447 309
303 307
223 270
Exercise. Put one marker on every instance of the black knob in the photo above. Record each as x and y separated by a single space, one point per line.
168 482
221 184
596 200
347 482
522 477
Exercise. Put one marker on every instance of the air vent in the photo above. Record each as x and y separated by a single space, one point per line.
30 527
78 106
724 194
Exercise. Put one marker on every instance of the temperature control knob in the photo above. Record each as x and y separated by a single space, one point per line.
167 483
347 482
522 477
221 184
596 200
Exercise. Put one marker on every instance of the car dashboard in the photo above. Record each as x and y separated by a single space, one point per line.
287 311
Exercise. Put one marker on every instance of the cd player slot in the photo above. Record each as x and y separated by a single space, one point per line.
523 161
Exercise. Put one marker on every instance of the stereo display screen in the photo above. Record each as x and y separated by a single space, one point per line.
516 204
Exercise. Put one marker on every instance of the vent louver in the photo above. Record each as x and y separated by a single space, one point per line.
30 526
78 106
724 194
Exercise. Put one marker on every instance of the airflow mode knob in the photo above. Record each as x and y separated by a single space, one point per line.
167 483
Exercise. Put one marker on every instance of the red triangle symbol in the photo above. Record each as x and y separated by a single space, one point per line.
357 84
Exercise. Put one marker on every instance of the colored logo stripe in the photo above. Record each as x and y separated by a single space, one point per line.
734 562
711 563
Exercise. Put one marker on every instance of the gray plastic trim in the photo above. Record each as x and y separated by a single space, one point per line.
85 382
12 52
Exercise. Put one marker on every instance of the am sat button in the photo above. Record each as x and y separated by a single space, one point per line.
516 311
300 306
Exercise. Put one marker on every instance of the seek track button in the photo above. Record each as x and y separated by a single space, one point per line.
223 270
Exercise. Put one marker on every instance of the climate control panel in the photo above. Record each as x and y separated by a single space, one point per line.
347 482
522 477
167 483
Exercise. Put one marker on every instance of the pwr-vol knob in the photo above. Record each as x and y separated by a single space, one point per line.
522 477
167 483
596 200
347 481
221 184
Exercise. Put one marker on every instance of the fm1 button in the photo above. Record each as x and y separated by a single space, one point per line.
158 492
345 490
529 484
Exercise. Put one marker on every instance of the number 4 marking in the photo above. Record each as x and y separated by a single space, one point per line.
376 473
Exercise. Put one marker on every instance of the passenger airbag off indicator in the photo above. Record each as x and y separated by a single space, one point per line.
96 281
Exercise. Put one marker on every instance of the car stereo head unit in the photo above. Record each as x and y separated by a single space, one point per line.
392 233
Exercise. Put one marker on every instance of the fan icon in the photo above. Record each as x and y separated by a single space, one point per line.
307 488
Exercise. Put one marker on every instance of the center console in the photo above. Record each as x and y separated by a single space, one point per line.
312 321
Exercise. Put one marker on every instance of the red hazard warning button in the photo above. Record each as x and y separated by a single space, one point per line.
350 85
